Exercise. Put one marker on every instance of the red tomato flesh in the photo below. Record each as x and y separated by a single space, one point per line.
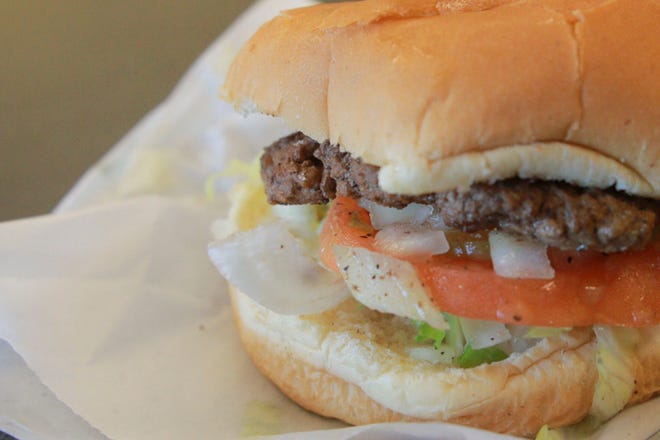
588 288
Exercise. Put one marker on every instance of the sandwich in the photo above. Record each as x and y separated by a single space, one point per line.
463 225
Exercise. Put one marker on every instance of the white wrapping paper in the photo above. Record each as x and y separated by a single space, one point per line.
122 325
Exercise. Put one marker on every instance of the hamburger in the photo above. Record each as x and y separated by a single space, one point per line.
463 226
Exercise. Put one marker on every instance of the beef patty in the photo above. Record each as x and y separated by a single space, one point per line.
298 170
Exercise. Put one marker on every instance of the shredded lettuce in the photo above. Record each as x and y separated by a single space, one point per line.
584 430
473 358
616 382
454 339
616 378
236 168
261 418
249 214
248 207
546 332
426 332
548 433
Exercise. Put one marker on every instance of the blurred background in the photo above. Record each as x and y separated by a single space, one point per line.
75 76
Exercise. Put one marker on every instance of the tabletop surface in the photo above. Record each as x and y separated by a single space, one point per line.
76 76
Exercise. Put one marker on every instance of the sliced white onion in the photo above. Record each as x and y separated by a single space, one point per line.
516 258
406 240
270 266
482 334
519 341
386 284
382 216
442 355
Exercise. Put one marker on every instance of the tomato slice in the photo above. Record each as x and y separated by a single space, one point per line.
588 288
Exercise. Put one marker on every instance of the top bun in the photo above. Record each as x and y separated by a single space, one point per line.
443 94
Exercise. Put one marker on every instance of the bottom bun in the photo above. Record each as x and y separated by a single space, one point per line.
351 364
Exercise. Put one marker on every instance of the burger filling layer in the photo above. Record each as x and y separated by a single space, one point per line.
273 255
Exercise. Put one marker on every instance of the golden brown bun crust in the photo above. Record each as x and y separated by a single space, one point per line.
517 396
412 85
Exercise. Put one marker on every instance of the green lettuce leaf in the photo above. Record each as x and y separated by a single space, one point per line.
455 338
616 378
546 332
426 332
473 358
